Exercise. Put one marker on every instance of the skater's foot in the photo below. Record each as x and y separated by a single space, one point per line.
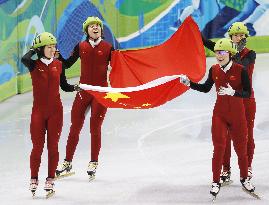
250 173
215 188
92 169
247 185
64 170
225 177
33 185
49 187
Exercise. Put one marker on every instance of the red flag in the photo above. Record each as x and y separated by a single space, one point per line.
145 96
183 53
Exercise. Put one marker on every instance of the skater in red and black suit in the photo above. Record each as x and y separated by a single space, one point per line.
94 54
47 112
238 33
232 85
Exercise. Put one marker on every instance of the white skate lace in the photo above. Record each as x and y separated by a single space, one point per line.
65 165
248 185
92 166
250 173
215 187
225 173
33 184
49 184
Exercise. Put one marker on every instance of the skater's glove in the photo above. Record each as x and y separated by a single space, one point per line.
184 80
241 45
77 88
237 58
57 54
226 91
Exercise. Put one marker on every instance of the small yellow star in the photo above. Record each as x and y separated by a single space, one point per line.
115 96
146 105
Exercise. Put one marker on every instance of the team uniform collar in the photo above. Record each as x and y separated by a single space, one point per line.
46 61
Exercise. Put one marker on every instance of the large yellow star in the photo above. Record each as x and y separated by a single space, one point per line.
115 96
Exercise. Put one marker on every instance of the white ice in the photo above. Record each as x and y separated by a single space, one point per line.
157 156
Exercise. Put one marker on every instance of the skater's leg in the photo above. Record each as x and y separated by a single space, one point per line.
55 124
227 155
219 134
38 131
250 109
239 137
79 108
98 113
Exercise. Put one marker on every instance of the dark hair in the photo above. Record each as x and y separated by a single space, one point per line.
40 52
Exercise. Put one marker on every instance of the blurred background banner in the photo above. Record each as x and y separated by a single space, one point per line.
128 24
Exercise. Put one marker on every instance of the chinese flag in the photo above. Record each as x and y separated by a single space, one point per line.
183 53
150 76
145 96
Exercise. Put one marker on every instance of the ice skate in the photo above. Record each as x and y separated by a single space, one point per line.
49 187
249 188
250 173
92 170
215 188
64 170
225 178
33 186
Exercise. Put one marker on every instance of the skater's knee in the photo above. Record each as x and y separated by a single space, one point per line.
38 149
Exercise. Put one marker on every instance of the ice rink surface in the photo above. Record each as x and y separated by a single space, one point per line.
157 156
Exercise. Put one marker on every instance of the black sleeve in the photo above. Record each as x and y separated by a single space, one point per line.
28 61
112 49
206 86
208 43
67 63
245 93
63 83
248 59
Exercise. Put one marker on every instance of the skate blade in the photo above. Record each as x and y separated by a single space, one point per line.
227 183
64 175
33 194
50 194
214 198
253 194
91 178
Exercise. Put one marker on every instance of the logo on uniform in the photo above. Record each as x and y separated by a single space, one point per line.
54 69
100 53
232 77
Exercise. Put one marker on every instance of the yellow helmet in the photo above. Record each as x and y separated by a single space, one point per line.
44 39
92 20
225 44
238 27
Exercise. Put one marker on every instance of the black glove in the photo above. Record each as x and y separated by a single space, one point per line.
77 88
241 45
237 58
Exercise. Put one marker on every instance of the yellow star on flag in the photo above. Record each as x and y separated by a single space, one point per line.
146 105
115 96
